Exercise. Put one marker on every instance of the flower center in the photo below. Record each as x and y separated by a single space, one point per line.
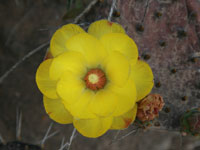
95 79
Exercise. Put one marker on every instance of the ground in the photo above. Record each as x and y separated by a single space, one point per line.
167 34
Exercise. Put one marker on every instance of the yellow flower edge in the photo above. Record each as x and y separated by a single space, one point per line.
93 128
44 83
143 78
123 121
93 80
56 110
102 27
57 43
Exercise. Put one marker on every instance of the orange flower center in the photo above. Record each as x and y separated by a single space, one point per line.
95 79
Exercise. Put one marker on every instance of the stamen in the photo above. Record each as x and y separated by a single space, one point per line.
95 79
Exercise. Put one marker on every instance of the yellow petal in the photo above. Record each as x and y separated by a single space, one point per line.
103 103
142 75
93 128
117 68
70 87
121 43
102 27
89 46
58 41
72 61
56 110
44 83
80 108
124 120
126 97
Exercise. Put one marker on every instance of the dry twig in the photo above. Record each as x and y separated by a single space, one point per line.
68 144
86 10
22 60
47 136
112 9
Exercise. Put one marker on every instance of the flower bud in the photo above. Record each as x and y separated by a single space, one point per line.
149 107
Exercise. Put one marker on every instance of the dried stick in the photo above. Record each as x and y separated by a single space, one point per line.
71 138
22 60
112 9
2 140
14 29
86 10
68 144
47 136
18 124
124 136
62 144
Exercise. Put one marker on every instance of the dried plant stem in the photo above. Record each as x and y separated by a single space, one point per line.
2 140
124 136
115 137
71 138
47 136
68 144
14 29
22 60
62 144
112 9
86 10
18 124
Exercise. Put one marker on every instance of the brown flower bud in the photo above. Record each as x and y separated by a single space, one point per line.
149 107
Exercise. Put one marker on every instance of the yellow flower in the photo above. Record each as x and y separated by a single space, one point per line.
93 79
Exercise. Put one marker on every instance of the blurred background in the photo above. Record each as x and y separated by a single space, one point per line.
167 33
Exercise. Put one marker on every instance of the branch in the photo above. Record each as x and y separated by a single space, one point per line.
2 140
22 60
14 29
86 10
124 136
47 136
18 124
68 144
112 9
